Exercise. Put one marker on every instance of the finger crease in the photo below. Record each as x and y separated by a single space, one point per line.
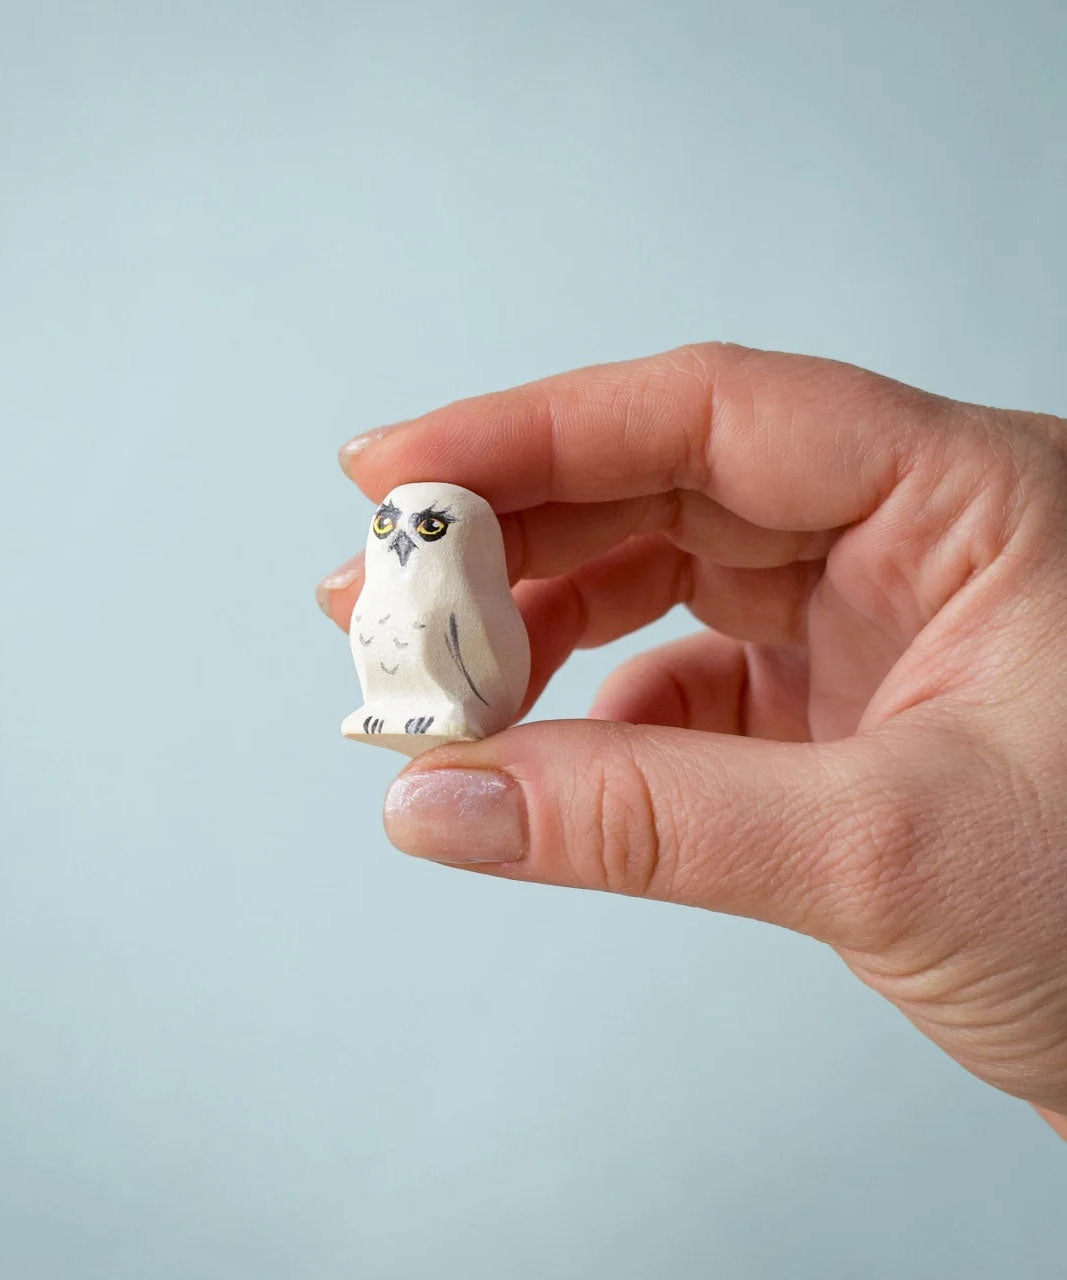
555 433
744 683
683 697
524 545
581 604
797 622
683 584
700 462
652 858
672 518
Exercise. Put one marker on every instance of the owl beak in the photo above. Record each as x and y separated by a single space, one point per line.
403 546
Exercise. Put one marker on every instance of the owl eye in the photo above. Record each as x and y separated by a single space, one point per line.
431 527
383 525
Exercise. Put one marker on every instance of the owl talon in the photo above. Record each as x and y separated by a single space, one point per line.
418 724
373 724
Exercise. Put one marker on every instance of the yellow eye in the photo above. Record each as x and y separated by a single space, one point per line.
383 525
431 527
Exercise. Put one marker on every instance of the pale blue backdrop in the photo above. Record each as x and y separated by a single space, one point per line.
239 1036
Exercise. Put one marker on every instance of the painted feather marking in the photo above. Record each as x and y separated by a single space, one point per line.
452 644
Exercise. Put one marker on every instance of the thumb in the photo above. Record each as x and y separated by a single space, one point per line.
801 835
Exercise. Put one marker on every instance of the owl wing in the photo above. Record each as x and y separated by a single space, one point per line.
489 653
455 652
361 638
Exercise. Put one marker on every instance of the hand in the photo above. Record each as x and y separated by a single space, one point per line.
867 744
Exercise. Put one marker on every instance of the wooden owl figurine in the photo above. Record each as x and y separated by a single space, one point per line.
439 645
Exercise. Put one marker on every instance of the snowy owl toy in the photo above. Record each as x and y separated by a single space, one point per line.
439 645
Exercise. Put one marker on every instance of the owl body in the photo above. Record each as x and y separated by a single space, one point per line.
438 643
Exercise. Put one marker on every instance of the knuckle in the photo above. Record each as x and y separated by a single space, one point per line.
707 356
645 671
633 671
696 368
623 842
647 686
881 852
876 845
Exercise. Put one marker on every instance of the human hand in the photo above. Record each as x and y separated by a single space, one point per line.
869 742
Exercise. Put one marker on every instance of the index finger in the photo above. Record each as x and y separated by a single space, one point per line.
785 441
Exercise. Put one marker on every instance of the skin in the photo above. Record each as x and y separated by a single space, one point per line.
866 743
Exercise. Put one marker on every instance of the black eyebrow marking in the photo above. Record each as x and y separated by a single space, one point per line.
441 514
388 509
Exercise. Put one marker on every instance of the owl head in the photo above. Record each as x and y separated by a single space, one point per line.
423 531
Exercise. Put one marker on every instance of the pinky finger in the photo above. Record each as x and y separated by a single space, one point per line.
713 683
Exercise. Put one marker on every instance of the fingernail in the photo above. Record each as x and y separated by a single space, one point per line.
461 816
359 444
341 577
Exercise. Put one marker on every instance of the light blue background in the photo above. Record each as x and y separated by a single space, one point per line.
240 1036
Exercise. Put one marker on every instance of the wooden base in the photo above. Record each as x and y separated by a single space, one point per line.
408 744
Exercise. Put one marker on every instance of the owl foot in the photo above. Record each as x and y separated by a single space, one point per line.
420 732
363 724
